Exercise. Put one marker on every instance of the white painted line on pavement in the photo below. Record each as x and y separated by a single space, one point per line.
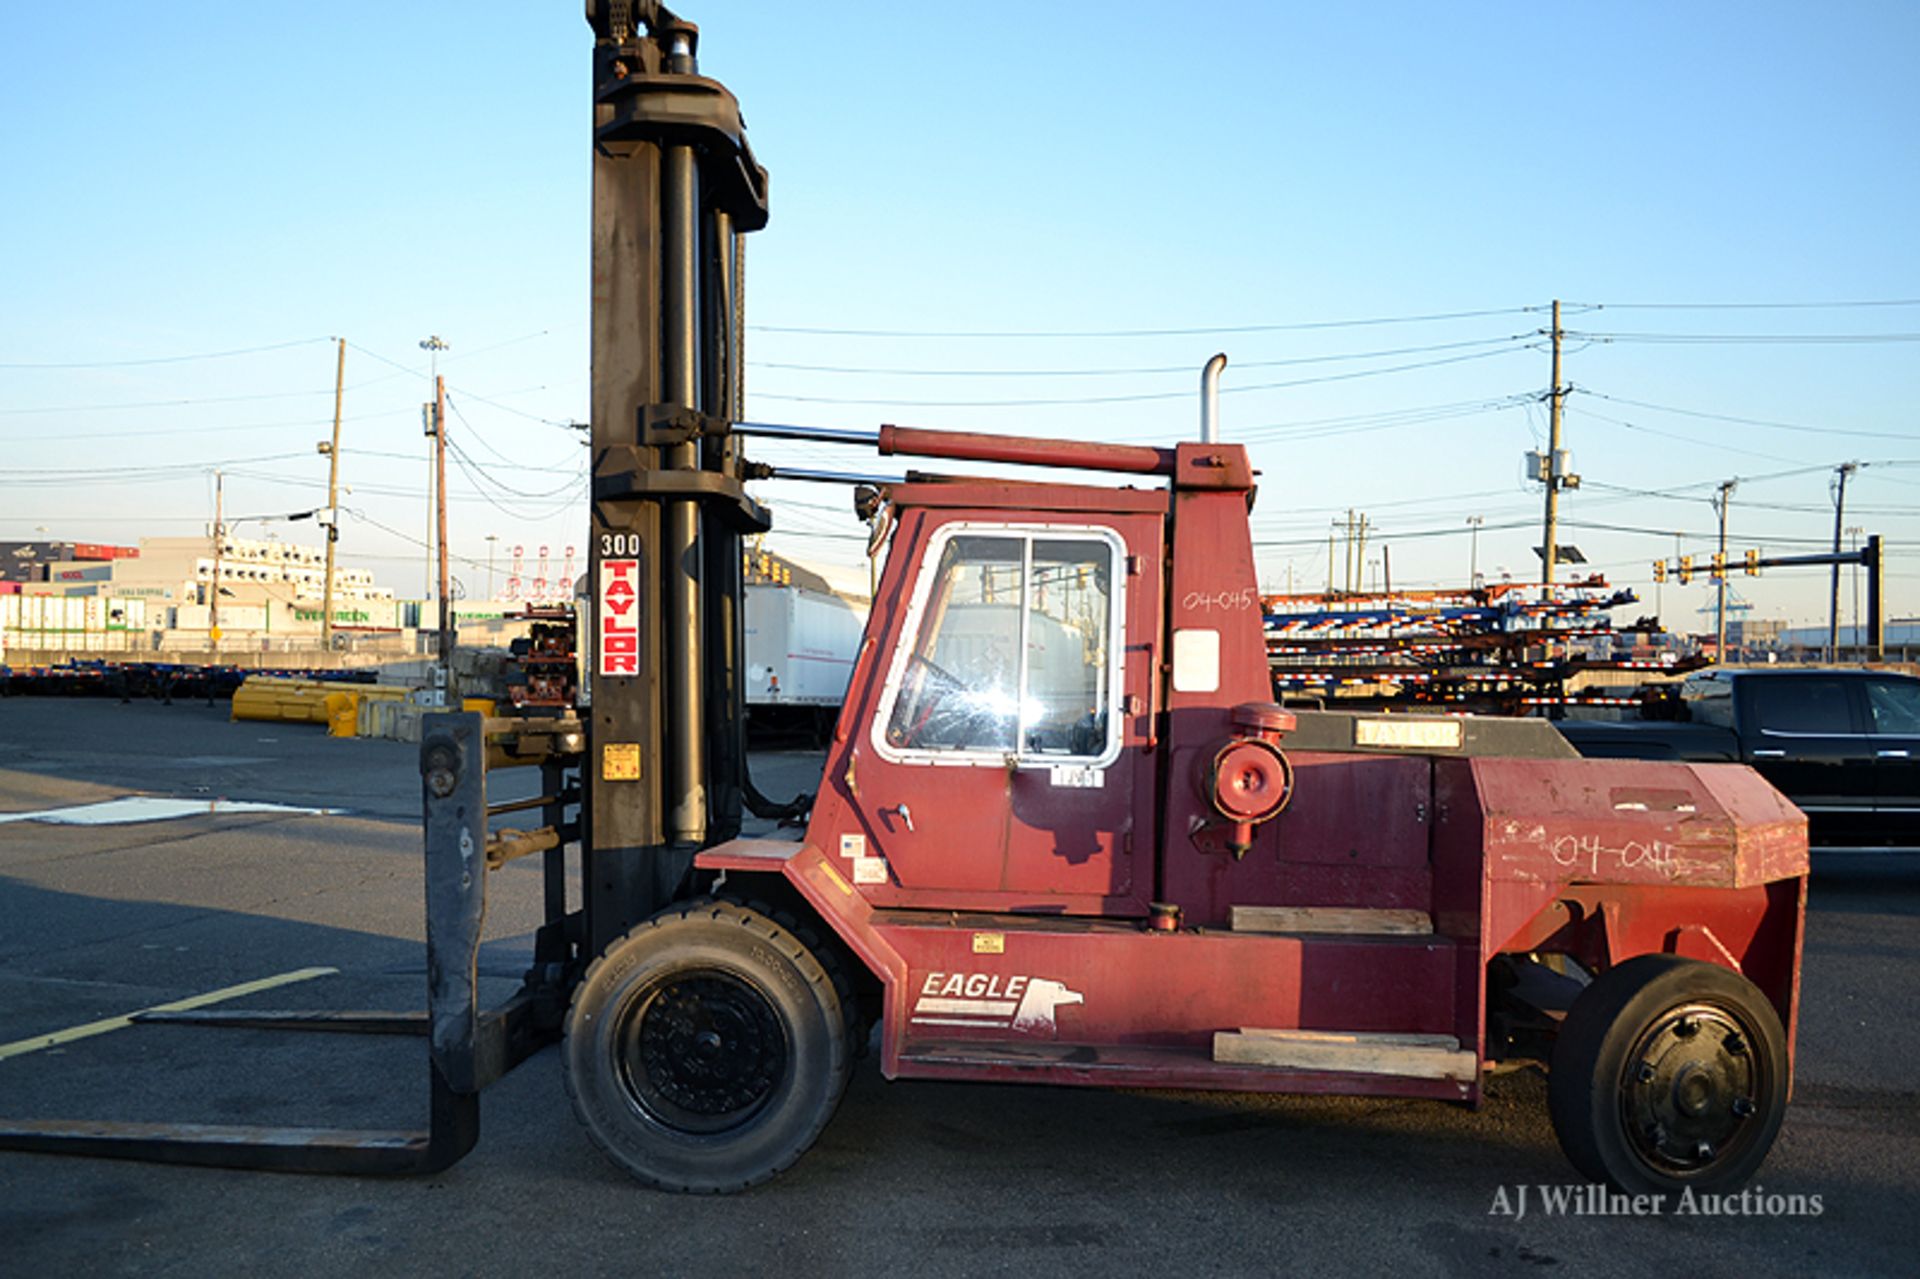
151 808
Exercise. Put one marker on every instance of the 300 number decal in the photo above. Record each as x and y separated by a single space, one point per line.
619 544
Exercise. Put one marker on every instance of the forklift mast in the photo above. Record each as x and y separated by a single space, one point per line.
675 190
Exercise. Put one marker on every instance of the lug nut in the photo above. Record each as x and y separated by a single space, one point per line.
1742 1107
1643 1073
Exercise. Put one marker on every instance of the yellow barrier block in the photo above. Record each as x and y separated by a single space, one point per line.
302 701
343 714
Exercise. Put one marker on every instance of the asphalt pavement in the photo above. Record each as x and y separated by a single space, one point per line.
919 1178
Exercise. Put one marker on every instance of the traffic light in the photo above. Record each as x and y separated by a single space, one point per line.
1719 565
1753 563
1659 570
1686 569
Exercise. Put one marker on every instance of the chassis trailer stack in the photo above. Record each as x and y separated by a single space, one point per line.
1128 870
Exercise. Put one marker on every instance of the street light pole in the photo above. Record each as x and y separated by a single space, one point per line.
333 499
491 539
1473 556
219 539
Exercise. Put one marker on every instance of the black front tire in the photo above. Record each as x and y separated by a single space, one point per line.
1669 1073
706 1049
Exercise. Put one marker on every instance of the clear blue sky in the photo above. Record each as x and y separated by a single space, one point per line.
200 177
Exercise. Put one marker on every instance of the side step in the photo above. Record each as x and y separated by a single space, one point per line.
1329 919
1355 1053
1191 1066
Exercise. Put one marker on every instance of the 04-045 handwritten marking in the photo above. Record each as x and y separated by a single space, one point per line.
1655 855
1226 601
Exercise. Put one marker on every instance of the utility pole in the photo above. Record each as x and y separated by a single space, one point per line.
219 540
440 502
433 345
1676 562
333 498
1838 487
1720 573
1473 555
1363 535
1549 551
1329 566
1356 553
491 539
1347 584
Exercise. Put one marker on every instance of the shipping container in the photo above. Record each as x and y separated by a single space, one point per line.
76 570
27 561
101 551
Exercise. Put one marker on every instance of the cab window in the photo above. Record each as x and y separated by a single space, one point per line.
1806 706
1014 653
1895 707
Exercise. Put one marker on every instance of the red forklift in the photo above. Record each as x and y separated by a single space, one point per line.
1064 834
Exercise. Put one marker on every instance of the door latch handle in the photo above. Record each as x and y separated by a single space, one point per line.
1769 754
1893 754
906 814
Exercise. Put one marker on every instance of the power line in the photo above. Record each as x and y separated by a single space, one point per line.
487 444
1378 535
1671 532
1909 437
1684 439
162 404
168 359
1748 339
171 431
1140 397
364 518
415 457
1747 306
1140 370
532 417
477 472
1144 333
162 471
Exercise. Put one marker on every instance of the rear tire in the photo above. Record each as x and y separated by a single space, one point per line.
706 1049
1669 1073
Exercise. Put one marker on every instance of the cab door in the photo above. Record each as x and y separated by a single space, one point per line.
1806 734
1893 716
1002 765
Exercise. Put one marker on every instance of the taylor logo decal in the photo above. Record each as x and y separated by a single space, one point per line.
993 1002
619 617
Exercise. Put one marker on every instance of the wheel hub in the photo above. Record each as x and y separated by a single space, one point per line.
702 1052
1689 1088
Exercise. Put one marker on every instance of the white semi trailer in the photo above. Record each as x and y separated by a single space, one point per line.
800 645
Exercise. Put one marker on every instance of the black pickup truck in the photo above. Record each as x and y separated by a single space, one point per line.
1844 745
